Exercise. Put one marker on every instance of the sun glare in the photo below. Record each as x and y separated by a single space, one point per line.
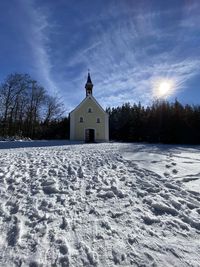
163 88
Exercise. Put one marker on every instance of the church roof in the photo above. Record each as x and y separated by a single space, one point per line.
95 101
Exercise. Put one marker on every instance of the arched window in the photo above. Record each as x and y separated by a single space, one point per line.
89 110
98 120
81 119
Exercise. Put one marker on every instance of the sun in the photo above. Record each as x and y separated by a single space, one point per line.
163 88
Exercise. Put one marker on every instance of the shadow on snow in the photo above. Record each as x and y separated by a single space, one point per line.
38 143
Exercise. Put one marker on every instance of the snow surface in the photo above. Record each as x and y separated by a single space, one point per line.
109 204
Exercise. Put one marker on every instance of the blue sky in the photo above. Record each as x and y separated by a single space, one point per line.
130 46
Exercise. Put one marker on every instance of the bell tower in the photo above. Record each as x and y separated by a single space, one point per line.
88 85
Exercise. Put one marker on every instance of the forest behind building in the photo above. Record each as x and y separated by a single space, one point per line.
28 111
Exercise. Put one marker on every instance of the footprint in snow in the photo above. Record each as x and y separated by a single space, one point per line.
63 249
64 253
168 166
174 171
34 264
166 174
13 233
80 173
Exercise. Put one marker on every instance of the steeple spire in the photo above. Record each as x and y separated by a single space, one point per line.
89 85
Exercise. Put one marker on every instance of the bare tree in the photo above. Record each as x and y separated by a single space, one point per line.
36 100
25 106
54 109
11 92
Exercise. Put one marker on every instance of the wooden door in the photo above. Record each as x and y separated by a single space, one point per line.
89 135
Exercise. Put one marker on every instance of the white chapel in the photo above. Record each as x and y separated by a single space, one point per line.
88 121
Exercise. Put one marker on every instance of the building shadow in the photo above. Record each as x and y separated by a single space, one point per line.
39 143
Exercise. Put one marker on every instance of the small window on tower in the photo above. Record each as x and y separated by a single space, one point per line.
89 110
98 120
81 119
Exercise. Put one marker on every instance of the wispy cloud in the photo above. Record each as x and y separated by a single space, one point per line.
134 52
127 48
38 39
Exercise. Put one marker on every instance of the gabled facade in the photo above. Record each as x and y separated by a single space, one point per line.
88 121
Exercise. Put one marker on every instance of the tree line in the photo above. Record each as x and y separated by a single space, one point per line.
162 122
27 110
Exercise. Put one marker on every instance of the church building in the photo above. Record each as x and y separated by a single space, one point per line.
88 121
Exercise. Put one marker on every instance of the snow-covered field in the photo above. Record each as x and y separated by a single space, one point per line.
99 205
